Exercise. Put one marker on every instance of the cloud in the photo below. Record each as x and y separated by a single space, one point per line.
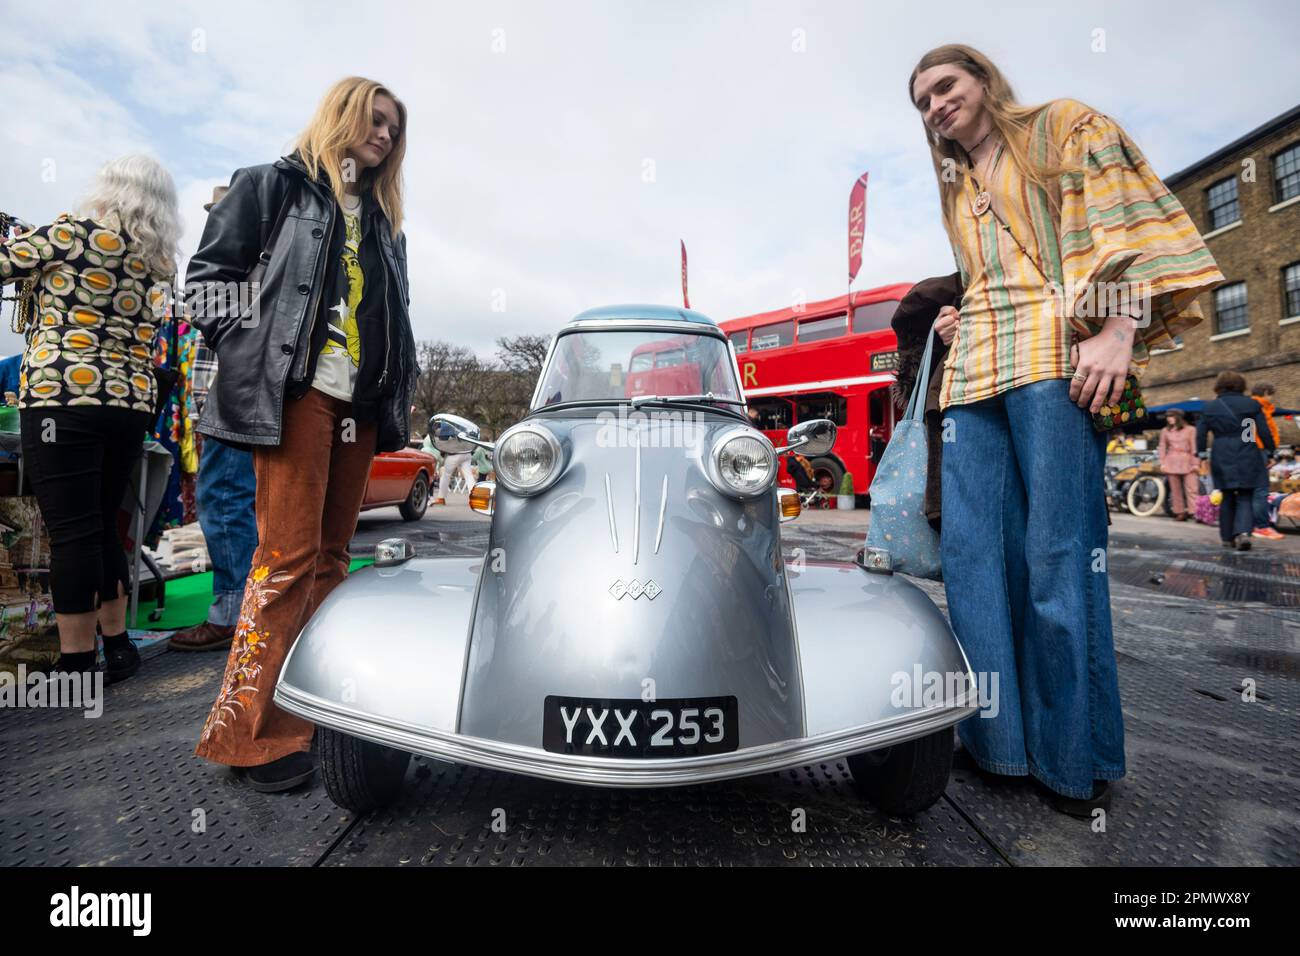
535 127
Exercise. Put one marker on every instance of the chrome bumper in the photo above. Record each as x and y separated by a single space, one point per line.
623 772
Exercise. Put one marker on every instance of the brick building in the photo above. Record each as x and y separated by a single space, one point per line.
1245 200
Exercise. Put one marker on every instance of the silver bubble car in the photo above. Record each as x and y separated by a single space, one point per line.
634 621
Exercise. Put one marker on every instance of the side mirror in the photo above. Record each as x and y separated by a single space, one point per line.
811 438
445 432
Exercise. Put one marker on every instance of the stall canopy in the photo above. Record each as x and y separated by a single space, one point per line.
1194 406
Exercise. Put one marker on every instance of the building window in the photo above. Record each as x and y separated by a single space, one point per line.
1291 290
1230 308
1221 201
1286 173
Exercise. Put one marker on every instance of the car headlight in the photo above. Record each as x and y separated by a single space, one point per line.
744 463
528 459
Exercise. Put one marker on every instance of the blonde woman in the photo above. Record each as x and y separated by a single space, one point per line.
316 376
86 388
1076 260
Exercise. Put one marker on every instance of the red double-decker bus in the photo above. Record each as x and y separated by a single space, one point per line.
831 359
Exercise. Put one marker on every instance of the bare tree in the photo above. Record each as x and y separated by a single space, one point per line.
449 377
494 395
520 358
523 353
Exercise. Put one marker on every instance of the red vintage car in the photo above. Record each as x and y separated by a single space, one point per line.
401 478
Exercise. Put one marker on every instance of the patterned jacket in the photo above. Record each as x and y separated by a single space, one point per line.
95 312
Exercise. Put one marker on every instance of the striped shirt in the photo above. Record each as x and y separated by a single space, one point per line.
1125 245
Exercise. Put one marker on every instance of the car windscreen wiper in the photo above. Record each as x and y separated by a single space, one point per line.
635 402
577 403
669 399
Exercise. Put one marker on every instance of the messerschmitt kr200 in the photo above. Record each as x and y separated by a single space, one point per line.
633 622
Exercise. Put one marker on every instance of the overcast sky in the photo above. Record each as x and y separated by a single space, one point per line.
558 150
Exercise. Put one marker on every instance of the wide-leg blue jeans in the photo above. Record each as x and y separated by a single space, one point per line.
1024 565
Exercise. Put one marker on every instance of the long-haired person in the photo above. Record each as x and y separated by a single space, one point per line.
1178 463
316 376
1049 210
86 389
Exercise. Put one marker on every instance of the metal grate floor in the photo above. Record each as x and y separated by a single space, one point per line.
452 815
1213 779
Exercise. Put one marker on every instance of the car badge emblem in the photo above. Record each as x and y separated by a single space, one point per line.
635 588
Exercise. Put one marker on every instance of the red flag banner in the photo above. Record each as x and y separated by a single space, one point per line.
686 299
857 225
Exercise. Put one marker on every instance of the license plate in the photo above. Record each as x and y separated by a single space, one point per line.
605 727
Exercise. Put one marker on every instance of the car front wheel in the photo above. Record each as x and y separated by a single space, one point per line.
360 775
906 778
417 502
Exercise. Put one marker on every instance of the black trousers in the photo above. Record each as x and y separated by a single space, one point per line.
78 462
1235 513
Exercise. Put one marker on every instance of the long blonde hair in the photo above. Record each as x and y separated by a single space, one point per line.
342 120
136 195
1011 119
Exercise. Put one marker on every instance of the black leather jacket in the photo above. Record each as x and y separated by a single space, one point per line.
266 359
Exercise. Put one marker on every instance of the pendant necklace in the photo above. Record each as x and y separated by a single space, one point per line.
980 205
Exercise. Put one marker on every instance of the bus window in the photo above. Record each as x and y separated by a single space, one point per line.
670 358
773 413
740 340
814 330
869 318
641 362
774 336
823 405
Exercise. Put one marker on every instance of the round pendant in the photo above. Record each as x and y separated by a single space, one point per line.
981 203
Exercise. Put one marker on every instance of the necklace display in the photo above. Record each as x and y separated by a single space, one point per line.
982 201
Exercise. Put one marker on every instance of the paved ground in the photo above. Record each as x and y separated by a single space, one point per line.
1213 778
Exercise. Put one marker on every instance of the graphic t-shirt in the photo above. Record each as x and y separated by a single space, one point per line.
336 367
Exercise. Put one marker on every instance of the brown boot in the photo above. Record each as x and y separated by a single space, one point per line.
202 637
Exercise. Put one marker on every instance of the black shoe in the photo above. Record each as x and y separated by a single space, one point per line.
76 663
283 774
120 663
1082 807
1242 542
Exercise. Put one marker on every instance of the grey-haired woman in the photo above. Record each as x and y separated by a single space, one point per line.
86 389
